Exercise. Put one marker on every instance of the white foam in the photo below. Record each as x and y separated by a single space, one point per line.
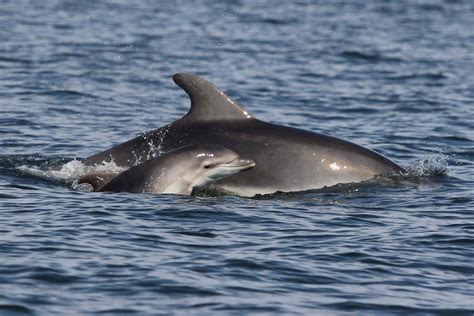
70 171
430 166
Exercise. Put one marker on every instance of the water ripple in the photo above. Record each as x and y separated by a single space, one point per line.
79 77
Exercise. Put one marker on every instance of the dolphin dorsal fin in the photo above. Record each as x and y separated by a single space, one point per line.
207 102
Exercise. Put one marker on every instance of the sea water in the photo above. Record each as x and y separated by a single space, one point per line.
77 77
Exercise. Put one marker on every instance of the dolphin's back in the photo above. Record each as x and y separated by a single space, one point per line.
286 158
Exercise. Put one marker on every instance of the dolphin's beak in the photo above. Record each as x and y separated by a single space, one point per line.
241 164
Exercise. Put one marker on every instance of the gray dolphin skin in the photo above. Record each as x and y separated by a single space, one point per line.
97 179
287 159
176 172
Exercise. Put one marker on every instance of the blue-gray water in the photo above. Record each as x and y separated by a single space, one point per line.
77 77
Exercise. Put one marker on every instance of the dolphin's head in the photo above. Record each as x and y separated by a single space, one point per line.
217 162
206 164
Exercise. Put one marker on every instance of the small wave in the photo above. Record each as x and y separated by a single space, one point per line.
13 161
197 233
368 56
15 60
68 93
4 122
278 21
423 75
60 94
15 309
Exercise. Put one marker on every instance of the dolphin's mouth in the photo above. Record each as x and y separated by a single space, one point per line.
241 164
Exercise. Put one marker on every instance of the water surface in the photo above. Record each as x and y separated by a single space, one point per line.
79 77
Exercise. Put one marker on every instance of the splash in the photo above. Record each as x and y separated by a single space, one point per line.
434 165
154 141
70 171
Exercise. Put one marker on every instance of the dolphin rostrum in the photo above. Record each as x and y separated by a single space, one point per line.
287 159
176 172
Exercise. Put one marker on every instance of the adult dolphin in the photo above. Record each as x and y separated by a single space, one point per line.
287 159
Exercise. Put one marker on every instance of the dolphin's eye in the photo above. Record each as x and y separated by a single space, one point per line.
209 166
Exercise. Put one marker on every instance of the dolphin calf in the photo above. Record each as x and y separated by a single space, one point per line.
287 159
176 172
